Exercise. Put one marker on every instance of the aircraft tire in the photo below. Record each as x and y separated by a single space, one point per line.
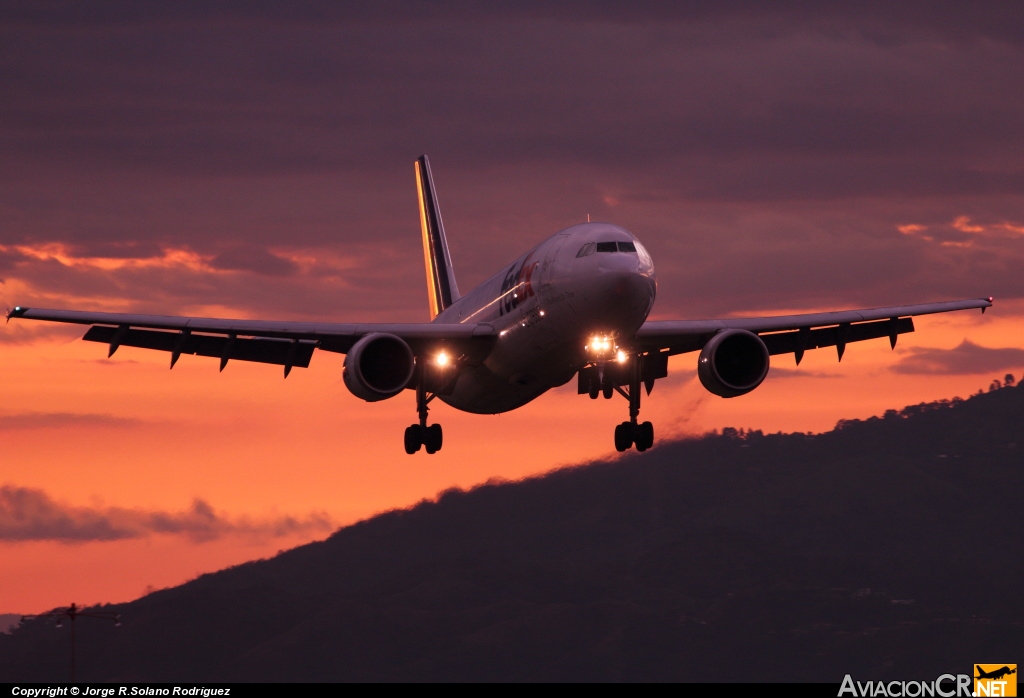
644 436
413 439
623 437
607 385
433 438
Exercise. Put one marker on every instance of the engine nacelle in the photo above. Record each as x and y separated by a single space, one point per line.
378 366
733 363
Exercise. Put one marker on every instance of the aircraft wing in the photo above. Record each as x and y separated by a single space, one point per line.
285 343
783 334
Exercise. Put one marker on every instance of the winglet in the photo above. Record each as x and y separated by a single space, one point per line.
441 287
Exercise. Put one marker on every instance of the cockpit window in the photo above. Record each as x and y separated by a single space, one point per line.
644 255
592 247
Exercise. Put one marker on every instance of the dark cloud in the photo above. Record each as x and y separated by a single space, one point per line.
9 260
253 259
237 95
788 372
29 333
63 420
784 257
116 249
885 22
331 281
32 515
767 154
966 359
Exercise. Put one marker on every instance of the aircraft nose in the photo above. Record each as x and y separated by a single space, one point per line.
627 299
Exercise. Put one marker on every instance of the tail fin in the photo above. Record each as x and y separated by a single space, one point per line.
441 285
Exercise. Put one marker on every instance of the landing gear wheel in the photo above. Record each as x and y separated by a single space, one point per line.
631 433
594 388
644 437
623 437
608 386
420 435
413 438
433 437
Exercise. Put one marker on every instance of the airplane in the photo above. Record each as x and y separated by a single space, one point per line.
576 305
994 674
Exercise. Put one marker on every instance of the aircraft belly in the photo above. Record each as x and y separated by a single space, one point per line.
480 391
497 386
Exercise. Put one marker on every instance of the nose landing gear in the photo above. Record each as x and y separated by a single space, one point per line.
634 433
601 382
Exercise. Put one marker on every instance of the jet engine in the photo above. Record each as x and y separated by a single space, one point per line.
733 363
378 366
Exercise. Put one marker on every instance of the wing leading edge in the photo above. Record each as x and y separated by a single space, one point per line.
284 343
783 334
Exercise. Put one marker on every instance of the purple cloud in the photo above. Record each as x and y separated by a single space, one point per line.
254 259
767 155
966 359
32 515
63 420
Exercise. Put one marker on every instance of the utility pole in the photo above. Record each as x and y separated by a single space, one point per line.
73 612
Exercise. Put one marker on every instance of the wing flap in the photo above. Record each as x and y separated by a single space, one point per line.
681 336
286 343
333 336
798 341
282 352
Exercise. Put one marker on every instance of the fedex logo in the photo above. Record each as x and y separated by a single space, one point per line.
517 276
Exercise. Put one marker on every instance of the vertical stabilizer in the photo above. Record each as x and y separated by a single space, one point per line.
441 286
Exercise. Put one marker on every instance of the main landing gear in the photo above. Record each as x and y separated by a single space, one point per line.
421 435
633 434
606 381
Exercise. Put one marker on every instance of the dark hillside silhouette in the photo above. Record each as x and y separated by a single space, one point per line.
889 548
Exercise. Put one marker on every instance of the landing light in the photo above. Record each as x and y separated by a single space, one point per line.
600 345
442 359
620 356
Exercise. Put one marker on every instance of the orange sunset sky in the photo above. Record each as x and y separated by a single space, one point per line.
179 159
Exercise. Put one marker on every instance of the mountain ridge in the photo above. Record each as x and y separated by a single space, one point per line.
885 548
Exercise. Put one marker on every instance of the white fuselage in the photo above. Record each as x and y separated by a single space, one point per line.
546 305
